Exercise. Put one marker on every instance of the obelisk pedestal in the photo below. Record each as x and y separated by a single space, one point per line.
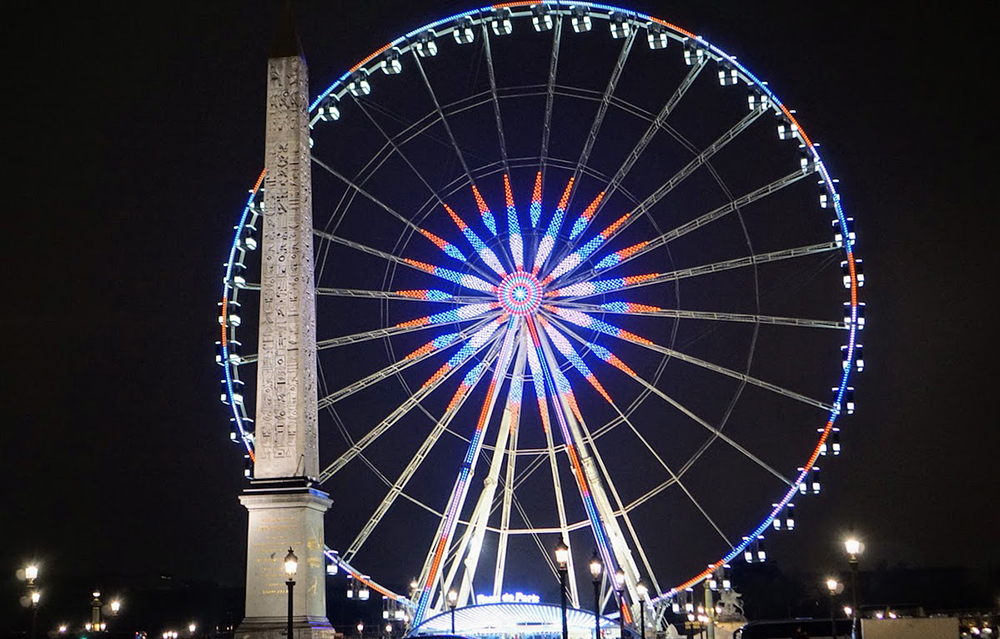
285 508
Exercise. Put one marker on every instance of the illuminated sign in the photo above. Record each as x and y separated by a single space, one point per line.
517 597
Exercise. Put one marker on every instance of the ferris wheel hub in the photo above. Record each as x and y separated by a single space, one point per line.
520 293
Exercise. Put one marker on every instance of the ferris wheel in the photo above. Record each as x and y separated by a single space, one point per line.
580 275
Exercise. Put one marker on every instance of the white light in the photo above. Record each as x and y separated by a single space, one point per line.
192 627
291 563
831 585
848 611
116 606
31 572
35 596
63 629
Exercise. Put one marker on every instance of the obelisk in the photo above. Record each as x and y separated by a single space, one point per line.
285 509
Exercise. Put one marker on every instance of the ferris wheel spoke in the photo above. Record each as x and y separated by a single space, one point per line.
415 295
582 290
548 240
602 108
586 321
584 371
429 349
620 257
515 239
607 356
496 101
595 128
479 341
405 327
464 279
485 253
444 119
584 220
577 257
458 399
543 156
467 280
701 159
643 310
397 149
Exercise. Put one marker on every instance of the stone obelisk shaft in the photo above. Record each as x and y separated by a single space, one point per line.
286 442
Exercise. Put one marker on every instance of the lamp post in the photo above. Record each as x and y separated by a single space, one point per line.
361 628
291 567
620 588
641 589
30 575
562 559
452 602
36 596
596 572
835 588
854 547
95 611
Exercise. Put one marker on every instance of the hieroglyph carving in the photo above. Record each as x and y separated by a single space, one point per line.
286 441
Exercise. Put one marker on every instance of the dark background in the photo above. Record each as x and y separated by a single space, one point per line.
137 129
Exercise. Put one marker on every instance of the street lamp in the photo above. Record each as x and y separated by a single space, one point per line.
596 572
452 601
562 558
291 566
641 589
361 628
835 588
620 587
854 547
30 575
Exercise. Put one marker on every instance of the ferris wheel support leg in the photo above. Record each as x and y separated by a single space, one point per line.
443 539
481 514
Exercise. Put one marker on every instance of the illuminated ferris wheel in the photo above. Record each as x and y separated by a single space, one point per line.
580 275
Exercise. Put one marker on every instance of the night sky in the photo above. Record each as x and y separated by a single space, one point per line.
137 131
